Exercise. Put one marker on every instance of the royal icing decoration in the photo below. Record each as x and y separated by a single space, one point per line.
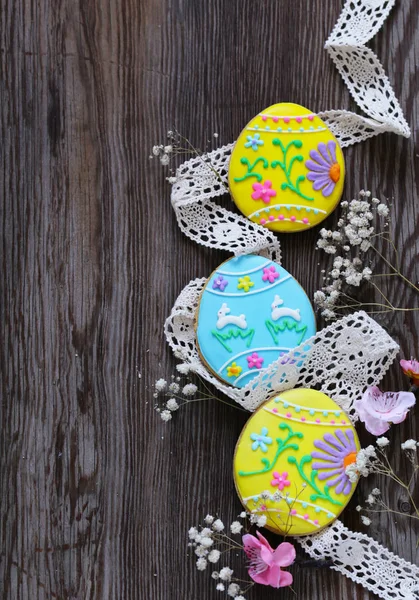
290 462
251 312
289 175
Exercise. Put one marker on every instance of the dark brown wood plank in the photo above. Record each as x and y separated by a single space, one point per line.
97 492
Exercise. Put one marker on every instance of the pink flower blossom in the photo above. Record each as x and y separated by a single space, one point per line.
378 410
263 191
411 369
280 480
265 563
270 274
255 361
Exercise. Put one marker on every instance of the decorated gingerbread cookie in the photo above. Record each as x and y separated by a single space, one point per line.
251 312
287 169
290 461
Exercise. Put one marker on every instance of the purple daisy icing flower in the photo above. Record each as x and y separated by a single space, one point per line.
324 169
220 283
338 452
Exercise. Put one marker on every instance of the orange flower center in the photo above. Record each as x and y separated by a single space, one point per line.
334 173
349 460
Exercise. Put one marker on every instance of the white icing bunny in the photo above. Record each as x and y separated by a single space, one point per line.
224 320
277 313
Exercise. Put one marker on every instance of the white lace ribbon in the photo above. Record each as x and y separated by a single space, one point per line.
201 179
363 560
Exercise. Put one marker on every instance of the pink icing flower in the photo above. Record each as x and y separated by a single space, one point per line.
254 361
265 562
411 369
378 410
280 480
270 274
263 191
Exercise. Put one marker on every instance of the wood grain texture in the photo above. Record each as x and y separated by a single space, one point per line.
97 493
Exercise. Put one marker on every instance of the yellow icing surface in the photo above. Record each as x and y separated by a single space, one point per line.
272 152
275 450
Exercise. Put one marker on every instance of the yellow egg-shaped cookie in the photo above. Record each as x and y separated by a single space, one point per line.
287 169
290 462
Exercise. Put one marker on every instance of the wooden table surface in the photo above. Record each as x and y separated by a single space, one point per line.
97 492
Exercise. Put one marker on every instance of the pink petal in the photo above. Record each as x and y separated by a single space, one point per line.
249 541
264 541
376 426
286 579
399 418
257 186
268 184
262 578
266 555
284 555
274 576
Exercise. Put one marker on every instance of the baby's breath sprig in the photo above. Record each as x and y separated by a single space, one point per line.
178 145
210 543
364 222
180 391
374 460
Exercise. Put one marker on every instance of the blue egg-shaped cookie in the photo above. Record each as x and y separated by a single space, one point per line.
251 312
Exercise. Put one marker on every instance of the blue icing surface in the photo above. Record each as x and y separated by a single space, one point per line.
251 311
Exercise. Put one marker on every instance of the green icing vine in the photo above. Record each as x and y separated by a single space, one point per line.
233 333
245 161
325 495
282 446
284 323
294 187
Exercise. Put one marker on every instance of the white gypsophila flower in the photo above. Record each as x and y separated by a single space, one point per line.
376 492
192 533
215 135
240 597
328 314
352 473
409 445
156 150
365 245
209 519
365 520
253 518
201 551
218 525
358 508
220 587
319 297
236 527
371 499
207 542
171 180
206 532
375 201
383 210
330 249
164 160
265 495
201 564
366 273
261 521
168 149
243 514
226 573
183 368
165 415
233 590
215 574
174 388
172 405
382 442
276 497
214 556
189 389
160 385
